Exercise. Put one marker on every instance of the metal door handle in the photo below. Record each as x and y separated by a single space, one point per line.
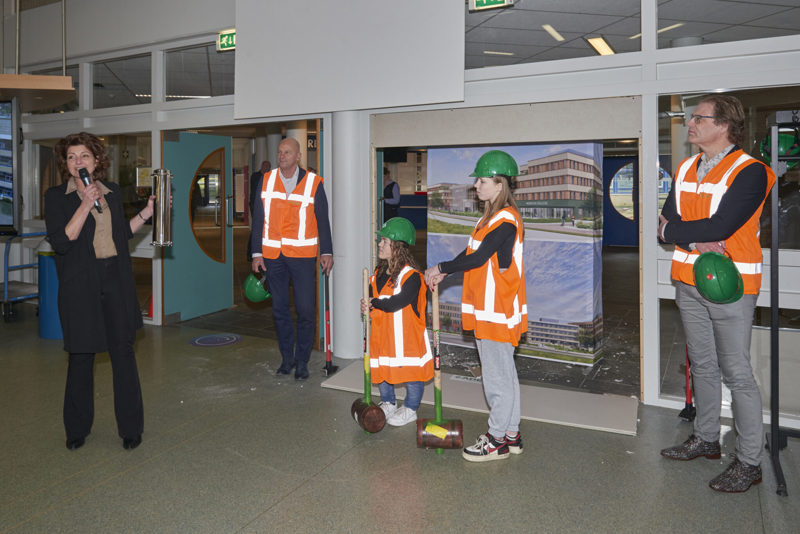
229 211
216 212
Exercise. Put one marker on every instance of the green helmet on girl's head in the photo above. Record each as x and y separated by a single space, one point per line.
495 162
399 229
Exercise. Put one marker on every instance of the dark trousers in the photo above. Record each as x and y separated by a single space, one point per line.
300 271
79 395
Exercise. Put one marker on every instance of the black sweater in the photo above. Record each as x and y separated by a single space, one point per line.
500 241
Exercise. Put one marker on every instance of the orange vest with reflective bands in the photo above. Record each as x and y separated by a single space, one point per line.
290 226
399 349
494 304
695 201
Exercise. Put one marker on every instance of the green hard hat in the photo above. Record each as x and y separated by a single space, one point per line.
788 145
495 162
254 289
717 278
399 229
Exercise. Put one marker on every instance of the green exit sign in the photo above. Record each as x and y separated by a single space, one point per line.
477 5
226 40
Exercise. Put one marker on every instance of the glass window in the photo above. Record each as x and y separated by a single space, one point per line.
541 30
72 105
199 72
694 22
122 82
758 104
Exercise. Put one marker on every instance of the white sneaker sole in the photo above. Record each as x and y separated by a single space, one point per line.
483 457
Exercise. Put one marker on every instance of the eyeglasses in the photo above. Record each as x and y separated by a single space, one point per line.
696 118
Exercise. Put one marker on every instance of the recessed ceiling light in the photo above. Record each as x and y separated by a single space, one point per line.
600 46
552 31
662 30
493 53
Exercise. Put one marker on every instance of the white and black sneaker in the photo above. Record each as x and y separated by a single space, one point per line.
388 408
485 449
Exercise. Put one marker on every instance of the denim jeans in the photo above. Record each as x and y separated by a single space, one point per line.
414 392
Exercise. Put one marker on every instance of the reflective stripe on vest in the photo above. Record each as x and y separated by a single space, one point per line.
481 294
300 203
393 363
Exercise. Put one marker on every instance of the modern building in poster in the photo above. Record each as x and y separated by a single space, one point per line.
557 183
567 183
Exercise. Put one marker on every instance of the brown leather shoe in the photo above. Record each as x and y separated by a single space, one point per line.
693 448
738 477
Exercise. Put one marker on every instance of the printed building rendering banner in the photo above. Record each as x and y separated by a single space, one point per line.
559 193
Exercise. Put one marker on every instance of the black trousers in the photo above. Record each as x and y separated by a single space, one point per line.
79 395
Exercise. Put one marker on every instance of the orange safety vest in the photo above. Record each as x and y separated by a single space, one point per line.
290 226
695 201
399 349
494 302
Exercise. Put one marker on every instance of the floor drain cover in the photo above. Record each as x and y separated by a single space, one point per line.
215 340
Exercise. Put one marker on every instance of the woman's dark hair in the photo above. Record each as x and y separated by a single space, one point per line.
728 110
401 256
95 146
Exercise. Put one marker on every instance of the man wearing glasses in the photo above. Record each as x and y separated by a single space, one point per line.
714 206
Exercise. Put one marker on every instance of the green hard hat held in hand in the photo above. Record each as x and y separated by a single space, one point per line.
717 278
255 289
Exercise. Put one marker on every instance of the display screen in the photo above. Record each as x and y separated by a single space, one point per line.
7 192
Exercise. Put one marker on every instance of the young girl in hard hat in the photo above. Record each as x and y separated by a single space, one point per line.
399 348
494 302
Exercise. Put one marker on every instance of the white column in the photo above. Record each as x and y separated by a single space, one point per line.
350 187
260 151
273 140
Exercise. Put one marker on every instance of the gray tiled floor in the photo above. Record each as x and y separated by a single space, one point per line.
230 448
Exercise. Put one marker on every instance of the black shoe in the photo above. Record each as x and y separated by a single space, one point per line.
285 369
301 373
76 443
131 443
692 448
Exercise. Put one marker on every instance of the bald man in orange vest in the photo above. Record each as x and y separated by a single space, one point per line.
290 227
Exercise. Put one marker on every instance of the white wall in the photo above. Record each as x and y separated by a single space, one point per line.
309 56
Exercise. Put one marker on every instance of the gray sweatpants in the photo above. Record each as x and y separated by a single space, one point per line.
718 336
500 385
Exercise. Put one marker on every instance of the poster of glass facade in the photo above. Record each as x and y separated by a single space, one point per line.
559 192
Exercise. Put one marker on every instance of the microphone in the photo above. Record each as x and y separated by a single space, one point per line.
84 174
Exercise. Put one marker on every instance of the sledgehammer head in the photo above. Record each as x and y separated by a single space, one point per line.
368 416
445 434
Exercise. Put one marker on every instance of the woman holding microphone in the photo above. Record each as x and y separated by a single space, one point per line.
97 301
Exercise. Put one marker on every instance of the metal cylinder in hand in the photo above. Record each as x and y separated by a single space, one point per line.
368 415
162 189
438 433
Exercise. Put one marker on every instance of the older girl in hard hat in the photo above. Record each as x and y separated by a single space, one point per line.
494 302
399 348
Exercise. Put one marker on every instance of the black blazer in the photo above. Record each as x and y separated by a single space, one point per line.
79 304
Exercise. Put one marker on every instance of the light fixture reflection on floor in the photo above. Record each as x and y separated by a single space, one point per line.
600 46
